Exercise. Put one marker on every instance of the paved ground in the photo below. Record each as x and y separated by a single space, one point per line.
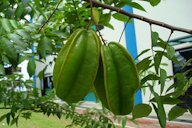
143 122
153 123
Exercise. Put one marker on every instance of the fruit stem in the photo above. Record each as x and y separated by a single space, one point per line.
91 8
103 40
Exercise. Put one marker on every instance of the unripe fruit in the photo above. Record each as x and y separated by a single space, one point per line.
117 79
76 66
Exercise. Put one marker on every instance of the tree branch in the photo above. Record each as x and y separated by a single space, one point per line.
150 21
50 16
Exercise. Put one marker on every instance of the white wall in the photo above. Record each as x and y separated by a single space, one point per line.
114 35
23 66
48 71
173 12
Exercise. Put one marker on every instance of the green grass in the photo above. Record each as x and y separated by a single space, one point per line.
38 120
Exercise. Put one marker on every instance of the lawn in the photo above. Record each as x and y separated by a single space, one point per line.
38 120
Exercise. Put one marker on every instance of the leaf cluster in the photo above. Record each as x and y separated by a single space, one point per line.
153 74
23 102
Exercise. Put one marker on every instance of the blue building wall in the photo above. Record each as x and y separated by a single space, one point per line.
90 97
132 47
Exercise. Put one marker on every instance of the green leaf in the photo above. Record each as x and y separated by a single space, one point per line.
14 23
19 44
124 122
170 52
171 87
37 2
96 15
42 13
44 46
8 116
41 73
4 5
181 85
2 70
19 11
159 109
15 121
3 117
163 76
60 34
136 5
161 114
31 27
5 59
190 81
39 9
153 2
108 25
175 60
189 62
108 1
168 100
149 77
5 43
154 38
120 17
157 61
141 110
130 3
161 43
26 115
6 24
144 64
143 52
105 20
23 58
9 49
59 115
175 112
24 34
31 66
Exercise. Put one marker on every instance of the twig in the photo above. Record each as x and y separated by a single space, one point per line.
91 7
170 35
167 42
124 29
50 16
103 40
150 21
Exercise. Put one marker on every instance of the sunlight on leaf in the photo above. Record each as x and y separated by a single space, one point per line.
96 15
